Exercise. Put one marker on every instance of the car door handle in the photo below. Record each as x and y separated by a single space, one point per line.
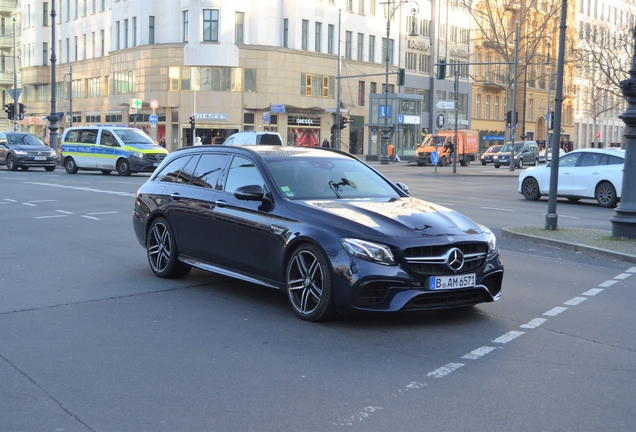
221 203
176 196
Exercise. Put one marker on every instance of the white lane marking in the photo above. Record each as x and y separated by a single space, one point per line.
358 417
41 201
64 212
90 217
5 202
622 276
534 323
102 213
569 217
29 204
575 301
82 189
511 335
607 283
444 370
479 352
555 311
48 217
495 208
9 200
631 270
593 291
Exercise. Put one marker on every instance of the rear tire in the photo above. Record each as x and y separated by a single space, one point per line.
530 189
606 195
70 166
161 248
483 163
106 172
123 168
49 169
497 166
24 168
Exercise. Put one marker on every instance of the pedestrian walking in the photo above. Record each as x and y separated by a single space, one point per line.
325 143
197 141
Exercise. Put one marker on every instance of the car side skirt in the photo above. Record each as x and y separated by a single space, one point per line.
227 272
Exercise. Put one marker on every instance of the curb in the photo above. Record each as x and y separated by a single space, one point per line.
575 247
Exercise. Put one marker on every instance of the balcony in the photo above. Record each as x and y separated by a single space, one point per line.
8 6
6 78
6 42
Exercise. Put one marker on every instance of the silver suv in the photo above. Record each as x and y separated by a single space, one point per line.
526 152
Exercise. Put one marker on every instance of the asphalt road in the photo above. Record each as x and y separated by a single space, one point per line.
90 339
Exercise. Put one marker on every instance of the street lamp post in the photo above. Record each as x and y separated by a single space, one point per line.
16 104
70 94
52 118
391 7
549 116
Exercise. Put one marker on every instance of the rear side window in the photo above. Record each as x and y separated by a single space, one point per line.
88 136
170 172
72 136
208 171
590 159
269 139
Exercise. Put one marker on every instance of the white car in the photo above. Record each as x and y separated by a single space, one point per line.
587 173
542 155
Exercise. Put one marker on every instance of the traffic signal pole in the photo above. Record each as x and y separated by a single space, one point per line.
15 82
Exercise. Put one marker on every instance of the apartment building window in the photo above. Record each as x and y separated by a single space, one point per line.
76 49
425 28
85 7
410 61
373 88
318 37
387 51
349 5
134 32
68 10
94 6
487 67
361 7
487 107
304 40
103 43
530 109
424 62
348 37
93 44
84 46
372 7
286 33
45 53
496 108
361 93
45 14
76 89
76 9
42 93
151 30
94 87
239 25
103 5
185 22
125 33
117 30
68 50
330 36
360 46
479 65
210 25
478 106
123 82
372 47
317 85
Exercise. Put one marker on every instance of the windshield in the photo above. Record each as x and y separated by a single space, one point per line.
24 139
133 136
437 141
493 149
508 147
302 178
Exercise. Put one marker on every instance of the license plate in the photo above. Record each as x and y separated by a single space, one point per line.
452 282
155 164
39 157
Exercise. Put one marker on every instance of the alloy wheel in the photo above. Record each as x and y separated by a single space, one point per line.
305 282
159 247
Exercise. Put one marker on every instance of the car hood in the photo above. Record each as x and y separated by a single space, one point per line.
399 217
26 147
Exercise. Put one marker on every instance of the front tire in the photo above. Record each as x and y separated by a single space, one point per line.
49 169
161 248
520 163
308 283
123 168
106 172
11 165
497 166
606 195
70 166
530 189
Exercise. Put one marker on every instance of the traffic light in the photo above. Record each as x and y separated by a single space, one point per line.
441 69
343 122
551 120
509 118
401 76
21 111
192 122
9 109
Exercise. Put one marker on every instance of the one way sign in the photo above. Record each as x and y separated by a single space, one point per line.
445 104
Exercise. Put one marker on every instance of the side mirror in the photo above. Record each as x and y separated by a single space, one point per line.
403 187
250 193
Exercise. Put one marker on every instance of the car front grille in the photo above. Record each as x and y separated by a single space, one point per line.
431 260
39 153
155 157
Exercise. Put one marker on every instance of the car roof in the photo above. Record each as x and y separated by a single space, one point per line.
272 151
610 151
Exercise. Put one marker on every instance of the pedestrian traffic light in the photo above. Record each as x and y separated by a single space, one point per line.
441 69
21 111
401 77
509 118
551 120
192 122
9 109
343 122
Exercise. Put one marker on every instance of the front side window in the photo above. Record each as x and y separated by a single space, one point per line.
243 172
108 139
210 25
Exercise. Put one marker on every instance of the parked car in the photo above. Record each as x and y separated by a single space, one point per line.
254 138
542 155
317 223
25 150
486 157
525 152
583 174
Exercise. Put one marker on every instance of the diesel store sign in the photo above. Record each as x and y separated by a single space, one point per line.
310 121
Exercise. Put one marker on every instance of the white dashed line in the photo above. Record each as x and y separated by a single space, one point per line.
90 217
48 217
444 370
64 212
631 270
569 217
29 204
607 283
9 200
87 189
102 213
479 352
534 323
511 335
593 292
41 201
622 276
555 311
495 208
575 301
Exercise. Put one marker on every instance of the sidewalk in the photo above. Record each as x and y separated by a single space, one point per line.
474 169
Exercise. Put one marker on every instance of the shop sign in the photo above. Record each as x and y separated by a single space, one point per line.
421 46
459 122
211 116
303 121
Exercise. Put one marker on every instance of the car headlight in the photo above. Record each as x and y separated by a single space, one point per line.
374 252
137 154
492 242
20 152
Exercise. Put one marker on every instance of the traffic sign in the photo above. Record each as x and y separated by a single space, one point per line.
154 104
135 103
278 109
266 117
445 104
434 157
153 119
12 92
